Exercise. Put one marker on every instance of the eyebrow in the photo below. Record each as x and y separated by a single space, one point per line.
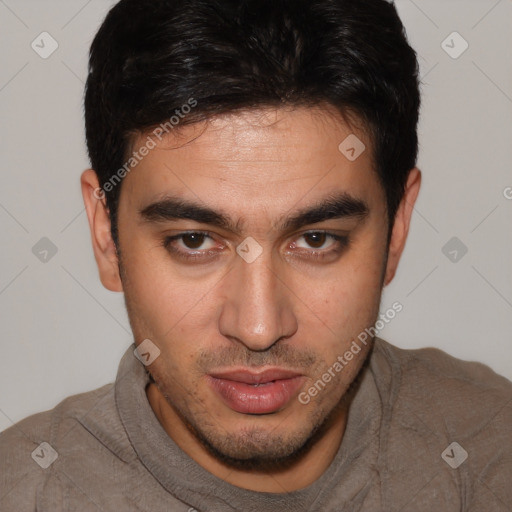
334 206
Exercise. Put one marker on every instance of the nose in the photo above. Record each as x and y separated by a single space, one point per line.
258 306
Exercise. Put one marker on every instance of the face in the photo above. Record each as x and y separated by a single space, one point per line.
250 287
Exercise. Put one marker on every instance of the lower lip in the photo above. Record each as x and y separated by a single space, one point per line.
262 399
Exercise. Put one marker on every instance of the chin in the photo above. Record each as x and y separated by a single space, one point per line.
257 449
262 448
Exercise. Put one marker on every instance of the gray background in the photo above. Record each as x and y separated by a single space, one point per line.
63 333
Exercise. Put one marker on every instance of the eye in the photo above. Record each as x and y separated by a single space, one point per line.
183 245
317 239
326 245
193 240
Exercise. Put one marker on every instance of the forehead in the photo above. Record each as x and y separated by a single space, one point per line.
258 160
260 134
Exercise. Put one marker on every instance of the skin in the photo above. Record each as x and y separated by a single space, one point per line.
284 309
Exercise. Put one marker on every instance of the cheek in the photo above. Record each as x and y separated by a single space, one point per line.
347 307
348 300
173 311
161 297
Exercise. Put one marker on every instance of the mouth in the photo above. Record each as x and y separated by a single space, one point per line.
263 392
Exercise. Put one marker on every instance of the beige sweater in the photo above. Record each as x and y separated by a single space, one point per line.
397 454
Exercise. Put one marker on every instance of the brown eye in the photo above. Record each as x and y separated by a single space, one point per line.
193 240
315 240
321 245
192 245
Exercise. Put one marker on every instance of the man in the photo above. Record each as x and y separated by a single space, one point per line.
253 179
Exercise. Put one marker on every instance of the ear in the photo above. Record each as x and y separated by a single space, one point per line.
401 224
99 223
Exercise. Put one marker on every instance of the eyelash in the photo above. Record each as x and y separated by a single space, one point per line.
341 242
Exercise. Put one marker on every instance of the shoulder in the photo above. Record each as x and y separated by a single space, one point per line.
447 417
29 448
432 372
465 395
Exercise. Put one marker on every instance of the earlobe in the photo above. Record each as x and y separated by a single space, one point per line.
402 223
99 223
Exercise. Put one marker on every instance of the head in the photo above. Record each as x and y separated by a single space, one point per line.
251 188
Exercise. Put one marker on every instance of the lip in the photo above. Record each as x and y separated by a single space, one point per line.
248 377
250 392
